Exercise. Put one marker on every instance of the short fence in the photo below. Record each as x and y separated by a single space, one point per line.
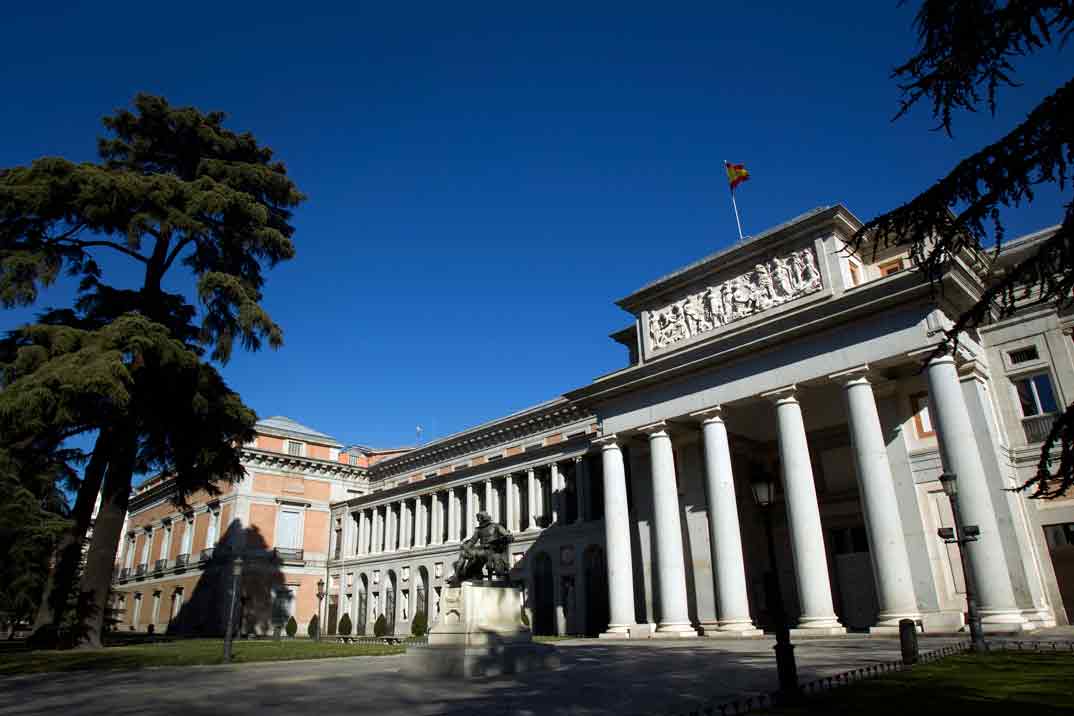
405 641
768 700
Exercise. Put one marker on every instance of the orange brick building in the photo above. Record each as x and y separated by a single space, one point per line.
174 566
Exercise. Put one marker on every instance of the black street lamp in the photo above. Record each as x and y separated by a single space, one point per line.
764 492
236 576
961 535
320 598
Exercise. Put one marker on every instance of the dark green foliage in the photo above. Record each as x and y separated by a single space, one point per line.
292 627
172 186
345 625
965 55
420 624
313 627
380 626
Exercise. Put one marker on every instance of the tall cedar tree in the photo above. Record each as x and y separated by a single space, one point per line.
172 186
966 54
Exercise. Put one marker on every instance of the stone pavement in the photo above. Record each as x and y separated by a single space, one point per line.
596 677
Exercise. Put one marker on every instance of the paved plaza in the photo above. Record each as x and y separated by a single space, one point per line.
596 677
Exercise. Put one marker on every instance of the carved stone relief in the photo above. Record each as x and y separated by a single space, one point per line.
769 284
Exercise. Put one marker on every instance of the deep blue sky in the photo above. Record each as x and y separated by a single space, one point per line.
485 179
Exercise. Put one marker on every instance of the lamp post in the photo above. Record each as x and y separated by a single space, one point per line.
764 491
320 598
961 535
236 576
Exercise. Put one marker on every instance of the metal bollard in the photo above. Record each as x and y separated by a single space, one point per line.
908 641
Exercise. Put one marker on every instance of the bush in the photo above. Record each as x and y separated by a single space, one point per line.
314 627
420 625
345 625
380 628
291 628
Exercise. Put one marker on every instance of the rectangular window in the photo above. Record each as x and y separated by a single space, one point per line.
214 529
886 269
919 404
294 448
177 602
137 613
855 274
290 529
1060 535
129 559
156 607
145 547
166 543
188 535
1035 395
1023 355
353 459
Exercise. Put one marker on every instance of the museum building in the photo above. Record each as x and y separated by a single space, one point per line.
635 501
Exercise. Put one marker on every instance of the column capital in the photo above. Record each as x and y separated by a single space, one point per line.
606 442
930 355
859 375
780 396
653 430
713 414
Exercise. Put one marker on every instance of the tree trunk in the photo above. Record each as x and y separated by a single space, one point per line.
96 582
64 568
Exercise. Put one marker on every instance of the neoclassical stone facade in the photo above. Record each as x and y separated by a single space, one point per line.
781 359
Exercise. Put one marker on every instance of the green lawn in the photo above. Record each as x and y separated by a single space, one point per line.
182 653
1012 684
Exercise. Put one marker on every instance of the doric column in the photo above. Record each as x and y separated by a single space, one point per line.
390 522
510 511
555 491
961 455
453 516
490 502
670 564
617 542
531 496
406 523
470 517
883 526
360 547
803 518
732 597
419 521
580 486
436 516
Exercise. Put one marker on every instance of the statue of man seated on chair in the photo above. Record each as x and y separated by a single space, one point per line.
487 549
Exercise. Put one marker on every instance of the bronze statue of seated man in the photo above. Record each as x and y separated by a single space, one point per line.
485 550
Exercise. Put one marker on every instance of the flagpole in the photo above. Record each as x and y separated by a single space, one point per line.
734 205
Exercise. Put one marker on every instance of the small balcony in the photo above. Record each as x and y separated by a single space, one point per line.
206 554
159 566
1038 427
124 574
290 555
139 571
181 560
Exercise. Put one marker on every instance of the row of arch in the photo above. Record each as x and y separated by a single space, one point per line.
558 601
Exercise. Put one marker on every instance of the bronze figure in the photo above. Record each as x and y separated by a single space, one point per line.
486 549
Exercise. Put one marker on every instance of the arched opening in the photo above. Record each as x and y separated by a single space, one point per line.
544 607
389 603
421 593
363 605
595 574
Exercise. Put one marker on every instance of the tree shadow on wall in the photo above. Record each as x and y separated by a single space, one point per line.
262 590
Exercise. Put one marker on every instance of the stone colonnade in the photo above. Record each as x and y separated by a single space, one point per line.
449 515
895 591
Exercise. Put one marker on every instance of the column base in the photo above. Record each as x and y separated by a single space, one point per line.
1006 621
674 631
730 630
619 631
1041 617
888 623
818 626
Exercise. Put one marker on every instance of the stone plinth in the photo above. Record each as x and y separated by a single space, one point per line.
480 633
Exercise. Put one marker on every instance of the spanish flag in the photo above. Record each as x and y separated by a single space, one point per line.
736 173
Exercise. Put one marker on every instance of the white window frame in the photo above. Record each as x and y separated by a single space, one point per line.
137 610
128 559
146 546
156 607
188 535
212 534
301 448
177 602
166 542
1028 376
291 508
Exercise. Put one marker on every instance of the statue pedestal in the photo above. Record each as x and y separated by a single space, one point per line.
480 633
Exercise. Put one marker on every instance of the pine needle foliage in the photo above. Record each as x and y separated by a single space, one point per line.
966 54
